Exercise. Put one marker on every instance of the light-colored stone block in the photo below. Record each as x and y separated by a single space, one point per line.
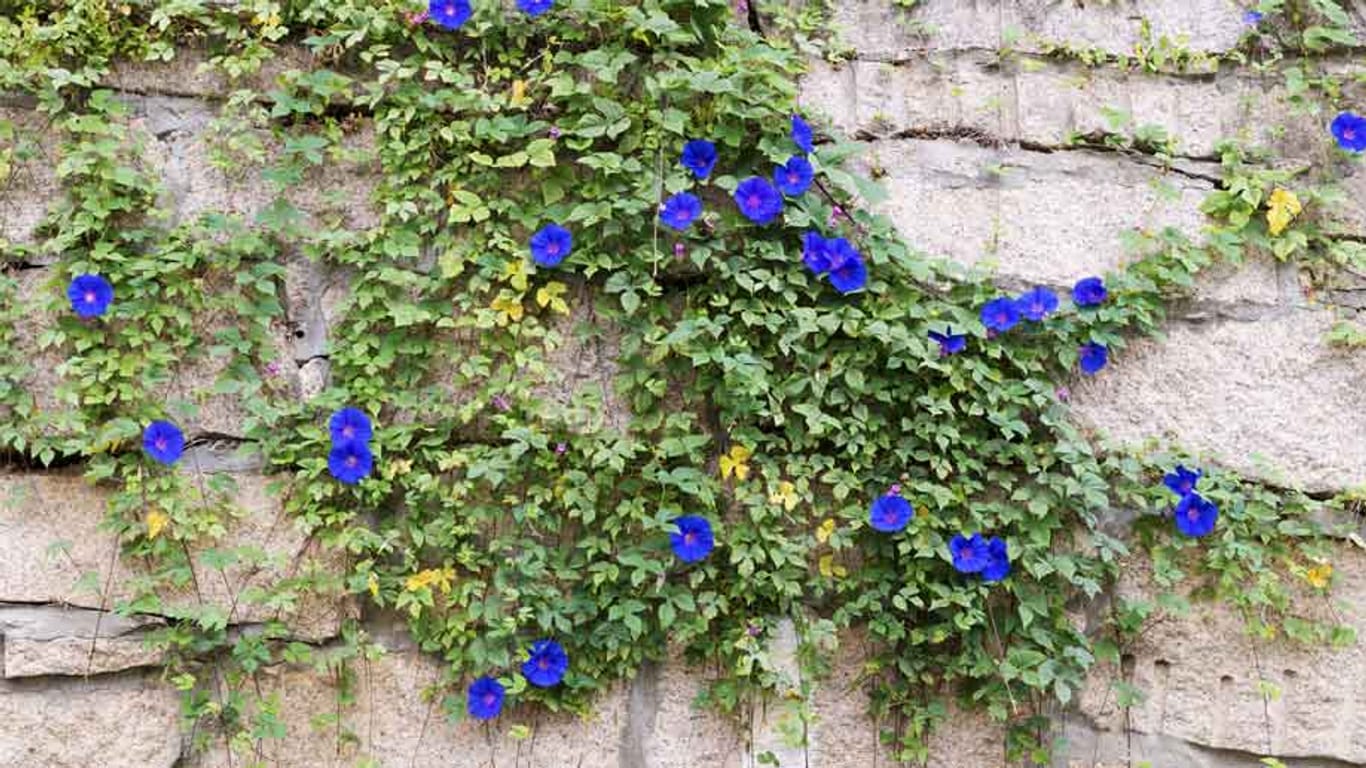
57 640
30 185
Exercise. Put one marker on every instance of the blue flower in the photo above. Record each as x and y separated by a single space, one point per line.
535 8
848 273
1350 131
1253 18
546 664
350 461
1181 481
1195 515
680 210
970 553
1000 315
1093 357
794 178
90 295
451 14
163 441
1089 292
350 424
801 134
949 342
890 513
758 200
1036 304
485 698
816 252
699 156
693 540
998 560
550 245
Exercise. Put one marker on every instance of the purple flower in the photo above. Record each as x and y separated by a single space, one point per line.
1089 292
1181 481
1350 131
949 342
835 214
1093 357
1064 394
485 698
848 273
561 448
1000 315
546 664
801 134
350 461
550 245
816 252
1253 18
555 132
998 560
534 8
502 403
794 178
680 250
163 441
272 368
680 210
350 424
90 295
970 553
699 156
1195 515
693 540
451 14
890 513
1036 304
758 200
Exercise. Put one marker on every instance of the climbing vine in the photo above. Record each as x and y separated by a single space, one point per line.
789 412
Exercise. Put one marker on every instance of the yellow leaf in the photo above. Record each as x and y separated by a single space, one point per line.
785 495
156 523
736 462
518 91
829 569
825 531
549 295
516 274
509 309
1319 576
1282 206
440 578
372 584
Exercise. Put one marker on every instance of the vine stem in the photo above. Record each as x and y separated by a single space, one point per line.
1014 705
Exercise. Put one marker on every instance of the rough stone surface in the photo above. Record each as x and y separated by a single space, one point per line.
55 640
1256 396
32 181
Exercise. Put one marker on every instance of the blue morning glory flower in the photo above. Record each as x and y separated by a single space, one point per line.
1036 304
90 295
970 553
484 699
350 424
1093 357
699 156
949 342
535 8
1089 292
546 664
163 441
848 273
1000 315
890 513
801 134
998 560
1195 515
1350 131
1253 18
816 252
794 178
350 461
550 245
451 14
693 540
758 200
680 210
1181 481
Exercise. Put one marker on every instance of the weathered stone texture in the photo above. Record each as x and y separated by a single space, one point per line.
32 182
1017 210
59 640
1262 397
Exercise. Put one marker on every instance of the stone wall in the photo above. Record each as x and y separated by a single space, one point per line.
968 127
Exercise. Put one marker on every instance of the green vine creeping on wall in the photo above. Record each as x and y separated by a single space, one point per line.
498 512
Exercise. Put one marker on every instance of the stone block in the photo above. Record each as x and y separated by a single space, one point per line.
1262 397
1037 217
30 185
51 537
57 640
